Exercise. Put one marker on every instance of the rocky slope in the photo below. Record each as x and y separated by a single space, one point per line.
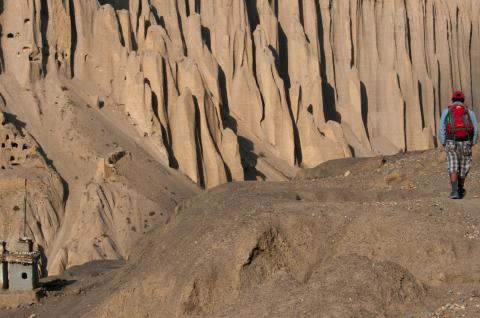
370 238
124 97
32 193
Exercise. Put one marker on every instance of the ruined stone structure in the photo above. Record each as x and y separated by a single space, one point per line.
21 266
106 166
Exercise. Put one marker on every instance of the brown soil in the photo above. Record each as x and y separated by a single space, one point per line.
382 240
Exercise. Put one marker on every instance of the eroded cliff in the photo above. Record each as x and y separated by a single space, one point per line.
220 91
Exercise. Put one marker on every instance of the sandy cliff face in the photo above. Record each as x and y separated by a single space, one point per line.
31 191
220 91
305 81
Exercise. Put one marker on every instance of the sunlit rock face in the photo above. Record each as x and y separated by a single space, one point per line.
219 91
306 81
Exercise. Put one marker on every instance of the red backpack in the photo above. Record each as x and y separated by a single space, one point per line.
459 124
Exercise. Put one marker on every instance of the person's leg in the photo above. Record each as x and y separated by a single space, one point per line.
453 168
461 186
455 185
454 177
464 166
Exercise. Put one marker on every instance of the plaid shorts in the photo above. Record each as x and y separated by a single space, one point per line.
459 157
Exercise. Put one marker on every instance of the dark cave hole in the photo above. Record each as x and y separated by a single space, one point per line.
310 109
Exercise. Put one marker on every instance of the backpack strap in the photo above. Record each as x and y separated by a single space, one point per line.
468 120
452 131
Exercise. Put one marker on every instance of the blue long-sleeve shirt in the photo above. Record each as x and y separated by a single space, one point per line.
442 132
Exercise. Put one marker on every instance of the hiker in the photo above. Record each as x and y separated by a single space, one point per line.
458 133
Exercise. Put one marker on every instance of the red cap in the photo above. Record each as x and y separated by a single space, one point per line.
458 95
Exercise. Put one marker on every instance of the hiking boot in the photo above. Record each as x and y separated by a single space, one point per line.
455 195
462 192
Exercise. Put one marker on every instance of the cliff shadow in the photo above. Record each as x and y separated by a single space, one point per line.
73 47
57 284
249 160
2 64
420 100
116 4
328 92
364 107
10 118
43 262
227 120
198 144
253 17
206 37
44 18
282 62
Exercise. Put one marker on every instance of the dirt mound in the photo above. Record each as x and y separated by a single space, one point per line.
193 94
340 167
367 244
334 247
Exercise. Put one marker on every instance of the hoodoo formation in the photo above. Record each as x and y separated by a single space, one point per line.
117 112
203 81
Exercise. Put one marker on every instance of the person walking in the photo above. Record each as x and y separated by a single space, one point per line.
458 133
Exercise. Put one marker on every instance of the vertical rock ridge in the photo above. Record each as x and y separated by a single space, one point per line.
306 78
